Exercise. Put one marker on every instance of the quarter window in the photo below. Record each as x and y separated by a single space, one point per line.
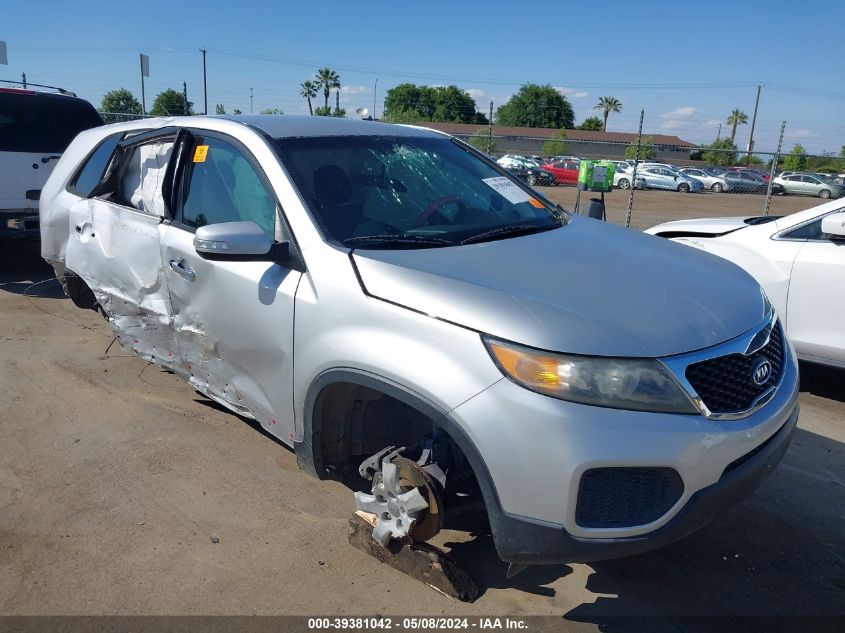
92 171
220 185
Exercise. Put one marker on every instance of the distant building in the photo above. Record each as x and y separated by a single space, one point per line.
529 140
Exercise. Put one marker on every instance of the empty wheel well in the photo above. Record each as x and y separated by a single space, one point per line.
350 422
78 291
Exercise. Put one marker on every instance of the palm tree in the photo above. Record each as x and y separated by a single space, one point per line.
737 117
608 105
327 79
308 90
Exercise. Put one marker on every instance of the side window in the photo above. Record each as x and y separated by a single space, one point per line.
811 231
142 175
220 185
92 171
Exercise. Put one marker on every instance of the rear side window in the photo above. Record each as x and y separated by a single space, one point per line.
42 123
92 171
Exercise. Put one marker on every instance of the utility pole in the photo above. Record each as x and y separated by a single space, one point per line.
719 133
753 122
185 97
490 130
145 72
250 100
375 90
204 84
23 76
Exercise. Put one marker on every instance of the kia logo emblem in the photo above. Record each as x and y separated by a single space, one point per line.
762 372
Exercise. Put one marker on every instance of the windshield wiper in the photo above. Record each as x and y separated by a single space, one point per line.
508 229
392 238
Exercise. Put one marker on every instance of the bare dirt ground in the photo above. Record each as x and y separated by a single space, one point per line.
653 207
115 476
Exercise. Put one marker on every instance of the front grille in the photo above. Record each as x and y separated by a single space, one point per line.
726 384
626 496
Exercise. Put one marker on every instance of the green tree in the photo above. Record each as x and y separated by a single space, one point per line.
219 109
171 102
593 124
796 160
607 105
402 115
411 103
647 149
536 106
236 111
271 111
842 152
120 101
737 117
327 80
483 141
720 152
308 89
555 146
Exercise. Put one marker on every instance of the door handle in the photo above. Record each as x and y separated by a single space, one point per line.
181 268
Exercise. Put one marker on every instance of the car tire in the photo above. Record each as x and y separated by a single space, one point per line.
824 194
683 188
717 187
532 179
624 183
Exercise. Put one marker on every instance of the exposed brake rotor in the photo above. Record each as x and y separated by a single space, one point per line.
406 500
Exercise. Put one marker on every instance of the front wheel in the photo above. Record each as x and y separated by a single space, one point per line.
683 187
824 193
717 187
624 183
532 179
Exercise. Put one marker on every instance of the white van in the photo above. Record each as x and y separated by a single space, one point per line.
35 128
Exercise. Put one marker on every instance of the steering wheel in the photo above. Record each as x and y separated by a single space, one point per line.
434 206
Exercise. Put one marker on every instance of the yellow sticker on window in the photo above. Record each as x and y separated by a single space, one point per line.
535 203
200 153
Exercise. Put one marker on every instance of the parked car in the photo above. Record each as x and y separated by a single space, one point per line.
807 185
757 172
665 178
36 125
798 259
564 173
623 179
710 181
607 411
748 181
534 176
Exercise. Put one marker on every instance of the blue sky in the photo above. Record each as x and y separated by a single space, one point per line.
687 64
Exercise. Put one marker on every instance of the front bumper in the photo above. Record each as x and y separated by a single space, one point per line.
529 453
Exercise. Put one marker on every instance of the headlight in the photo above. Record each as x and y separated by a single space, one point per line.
639 384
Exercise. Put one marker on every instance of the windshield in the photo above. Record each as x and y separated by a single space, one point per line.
409 192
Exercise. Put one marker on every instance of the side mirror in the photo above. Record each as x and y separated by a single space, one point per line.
232 240
834 225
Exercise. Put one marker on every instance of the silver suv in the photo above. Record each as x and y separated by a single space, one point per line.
392 304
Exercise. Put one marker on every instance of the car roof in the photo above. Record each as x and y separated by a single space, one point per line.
296 126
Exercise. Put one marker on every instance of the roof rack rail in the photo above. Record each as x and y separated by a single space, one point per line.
28 84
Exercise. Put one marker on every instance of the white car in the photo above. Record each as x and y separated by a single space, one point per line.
622 179
35 128
717 184
798 259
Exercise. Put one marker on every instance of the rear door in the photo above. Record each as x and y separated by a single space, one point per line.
35 129
233 319
115 244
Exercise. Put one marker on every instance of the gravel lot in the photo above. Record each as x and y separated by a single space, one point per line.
115 477
653 207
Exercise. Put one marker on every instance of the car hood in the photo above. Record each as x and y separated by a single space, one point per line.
704 226
586 288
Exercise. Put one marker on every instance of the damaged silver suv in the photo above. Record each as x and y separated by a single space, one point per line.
390 303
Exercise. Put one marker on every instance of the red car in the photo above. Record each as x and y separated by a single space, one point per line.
565 173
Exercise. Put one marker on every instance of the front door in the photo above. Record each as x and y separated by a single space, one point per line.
233 319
